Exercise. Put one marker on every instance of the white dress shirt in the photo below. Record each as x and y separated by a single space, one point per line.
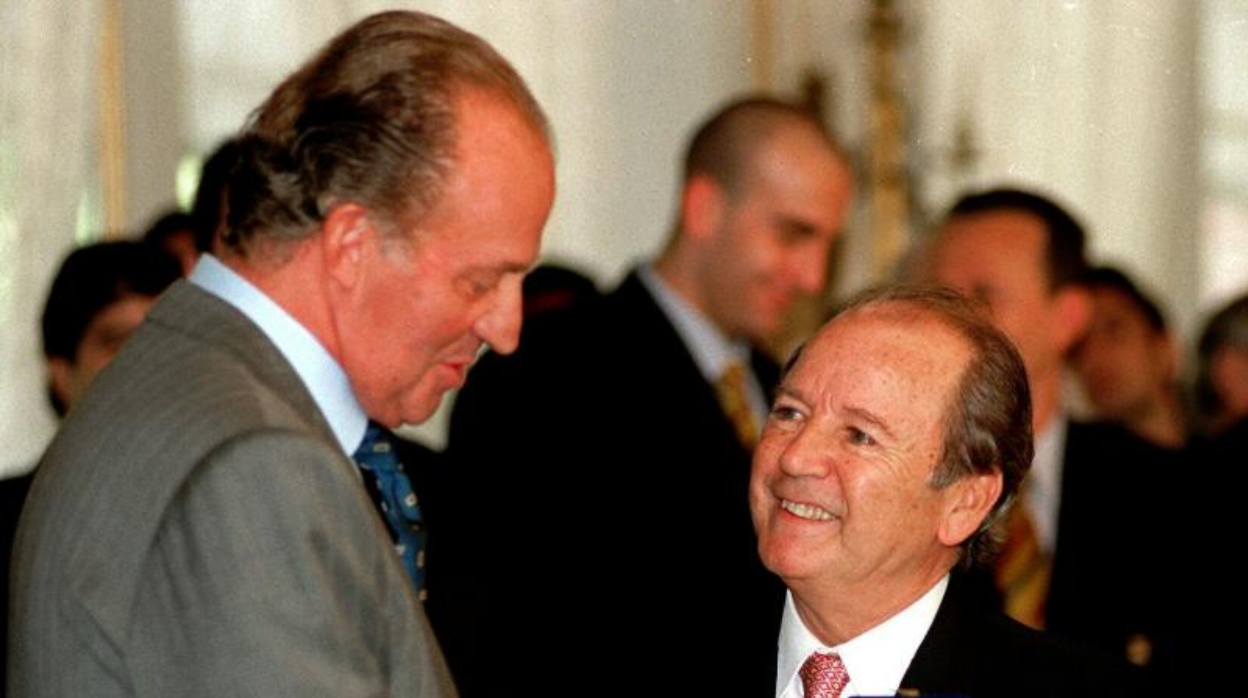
319 371
1043 494
876 660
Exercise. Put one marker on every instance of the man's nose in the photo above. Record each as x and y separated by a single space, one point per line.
500 326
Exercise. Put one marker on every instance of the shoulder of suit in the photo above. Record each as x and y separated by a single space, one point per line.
999 656
1112 444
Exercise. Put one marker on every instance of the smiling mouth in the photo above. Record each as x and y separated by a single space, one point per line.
809 512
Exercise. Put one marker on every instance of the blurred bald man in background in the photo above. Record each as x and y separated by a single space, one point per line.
629 422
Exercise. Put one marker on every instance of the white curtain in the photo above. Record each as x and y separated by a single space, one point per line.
1094 102
48 74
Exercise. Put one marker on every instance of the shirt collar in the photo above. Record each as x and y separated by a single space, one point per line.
711 350
1044 481
321 374
876 660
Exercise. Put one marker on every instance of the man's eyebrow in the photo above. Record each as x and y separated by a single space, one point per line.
500 268
871 418
784 390
862 413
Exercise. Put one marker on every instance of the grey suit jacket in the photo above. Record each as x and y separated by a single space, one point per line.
195 530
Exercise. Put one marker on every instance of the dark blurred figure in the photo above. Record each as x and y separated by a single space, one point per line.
99 296
1079 557
1212 505
174 233
549 291
187 235
553 287
1128 360
602 471
1222 368
209 210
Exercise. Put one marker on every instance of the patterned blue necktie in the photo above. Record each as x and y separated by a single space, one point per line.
398 502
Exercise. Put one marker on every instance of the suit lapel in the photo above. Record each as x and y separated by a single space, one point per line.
946 658
679 371
191 311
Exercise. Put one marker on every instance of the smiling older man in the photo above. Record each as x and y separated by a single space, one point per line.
899 434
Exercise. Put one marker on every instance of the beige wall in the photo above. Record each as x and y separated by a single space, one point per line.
1096 102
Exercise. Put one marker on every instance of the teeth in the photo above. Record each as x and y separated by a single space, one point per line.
806 511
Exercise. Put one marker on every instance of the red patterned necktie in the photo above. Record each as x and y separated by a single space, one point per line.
824 675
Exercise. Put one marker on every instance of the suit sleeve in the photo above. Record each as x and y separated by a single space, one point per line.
270 575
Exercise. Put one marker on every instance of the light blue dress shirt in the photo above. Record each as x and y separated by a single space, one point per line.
319 371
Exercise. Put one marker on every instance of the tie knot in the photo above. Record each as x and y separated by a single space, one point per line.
734 400
733 376
376 451
1022 569
824 675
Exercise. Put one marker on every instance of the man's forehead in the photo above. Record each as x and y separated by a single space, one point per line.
1115 299
993 234
891 335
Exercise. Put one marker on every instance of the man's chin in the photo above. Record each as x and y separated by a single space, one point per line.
421 409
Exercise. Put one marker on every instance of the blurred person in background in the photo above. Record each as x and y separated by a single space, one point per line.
1222 368
1128 360
629 421
1079 553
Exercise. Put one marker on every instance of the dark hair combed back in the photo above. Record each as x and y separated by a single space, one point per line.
1065 256
94 277
370 119
723 146
1115 279
988 422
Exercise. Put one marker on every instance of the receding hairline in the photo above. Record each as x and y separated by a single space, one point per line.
726 146
909 315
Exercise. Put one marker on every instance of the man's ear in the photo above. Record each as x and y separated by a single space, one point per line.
344 234
1072 307
702 204
970 499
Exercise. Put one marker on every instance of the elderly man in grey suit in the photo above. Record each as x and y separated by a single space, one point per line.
198 527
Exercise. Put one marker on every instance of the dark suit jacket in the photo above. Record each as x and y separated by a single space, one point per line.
1108 587
195 530
978 654
606 501
1206 519
1104 588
